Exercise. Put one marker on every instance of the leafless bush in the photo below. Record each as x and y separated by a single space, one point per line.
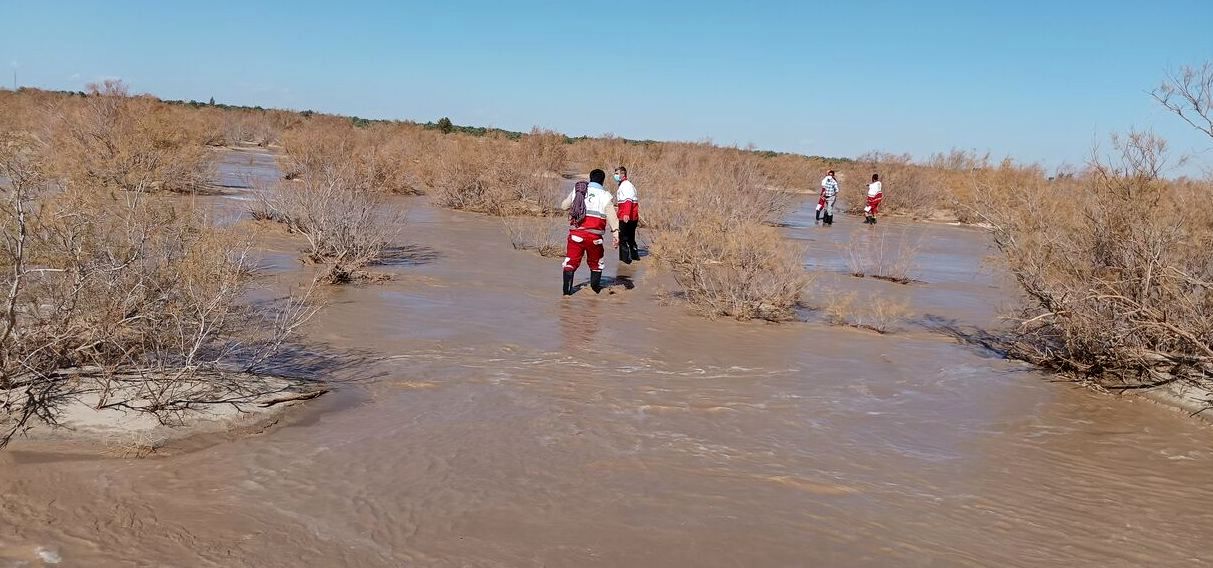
876 313
746 271
545 151
1116 289
380 154
347 225
873 255
261 127
115 141
132 299
542 235
1189 94
496 176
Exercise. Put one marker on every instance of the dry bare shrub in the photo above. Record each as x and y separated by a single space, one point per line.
131 299
347 224
263 128
881 256
839 307
112 140
545 151
543 235
495 175
876 312
792 172
236 126
1002 186
1117 284
1189 94
379 152
25 111
139 444
746 271
884 313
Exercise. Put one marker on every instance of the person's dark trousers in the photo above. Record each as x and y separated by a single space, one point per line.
628 251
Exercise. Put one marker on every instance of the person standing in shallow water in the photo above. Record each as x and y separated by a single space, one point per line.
829 194
591 213
875 196
628 207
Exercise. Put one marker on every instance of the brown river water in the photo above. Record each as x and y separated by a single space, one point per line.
489 422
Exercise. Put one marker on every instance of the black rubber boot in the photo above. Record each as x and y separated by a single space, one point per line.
568 282
817 215
635 251
596 281
624 255
873 220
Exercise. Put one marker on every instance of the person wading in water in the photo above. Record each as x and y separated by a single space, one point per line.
628 207
829 194
875 196
590 214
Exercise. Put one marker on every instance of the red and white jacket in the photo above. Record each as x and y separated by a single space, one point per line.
628 203
875 196
599 211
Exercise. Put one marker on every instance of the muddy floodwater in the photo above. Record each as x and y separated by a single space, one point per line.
483 420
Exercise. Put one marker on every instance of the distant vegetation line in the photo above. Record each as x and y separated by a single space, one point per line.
443 124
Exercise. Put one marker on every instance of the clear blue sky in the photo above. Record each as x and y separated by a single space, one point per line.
1035 80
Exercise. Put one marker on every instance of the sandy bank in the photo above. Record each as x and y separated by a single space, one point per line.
124 430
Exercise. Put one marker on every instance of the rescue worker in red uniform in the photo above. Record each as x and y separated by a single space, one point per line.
591 214
875 196
628 211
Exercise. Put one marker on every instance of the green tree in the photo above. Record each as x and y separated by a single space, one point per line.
444 124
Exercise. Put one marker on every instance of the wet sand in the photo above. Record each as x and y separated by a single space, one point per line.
493 423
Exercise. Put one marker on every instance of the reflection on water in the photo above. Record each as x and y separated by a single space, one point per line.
508 426
578 324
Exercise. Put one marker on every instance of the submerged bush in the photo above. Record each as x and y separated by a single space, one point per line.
746 271
347 224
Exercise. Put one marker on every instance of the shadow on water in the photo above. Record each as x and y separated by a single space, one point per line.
986 343
579 325
621 280
408 255
316 363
